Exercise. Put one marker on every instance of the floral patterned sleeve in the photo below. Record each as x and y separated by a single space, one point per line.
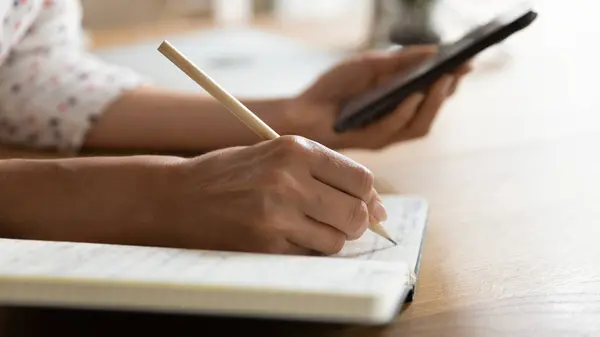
51 90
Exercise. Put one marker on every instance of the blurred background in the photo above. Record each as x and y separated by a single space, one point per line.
266 47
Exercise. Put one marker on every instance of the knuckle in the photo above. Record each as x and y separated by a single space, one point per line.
358 216
367 180
336 244
357 232
290 150
292 144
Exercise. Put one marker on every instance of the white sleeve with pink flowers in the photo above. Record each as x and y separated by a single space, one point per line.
51 90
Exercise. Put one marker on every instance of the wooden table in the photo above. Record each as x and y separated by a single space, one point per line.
512 172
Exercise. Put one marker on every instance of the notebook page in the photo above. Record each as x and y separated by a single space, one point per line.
59 261
407 217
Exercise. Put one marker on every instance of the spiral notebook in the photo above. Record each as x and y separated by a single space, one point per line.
366 283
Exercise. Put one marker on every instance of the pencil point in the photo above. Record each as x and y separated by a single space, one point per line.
377 228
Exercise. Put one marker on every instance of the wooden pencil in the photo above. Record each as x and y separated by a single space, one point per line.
238 109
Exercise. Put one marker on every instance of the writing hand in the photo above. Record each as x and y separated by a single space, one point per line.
285 196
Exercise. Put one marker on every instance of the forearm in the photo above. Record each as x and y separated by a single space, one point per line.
81 199
151 118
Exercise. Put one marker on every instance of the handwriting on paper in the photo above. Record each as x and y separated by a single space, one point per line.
405 224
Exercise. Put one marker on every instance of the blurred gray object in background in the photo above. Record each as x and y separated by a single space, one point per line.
403 22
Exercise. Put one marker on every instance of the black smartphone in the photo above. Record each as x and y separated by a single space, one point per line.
382 100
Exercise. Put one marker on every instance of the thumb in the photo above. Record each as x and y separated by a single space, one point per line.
413 56
385 62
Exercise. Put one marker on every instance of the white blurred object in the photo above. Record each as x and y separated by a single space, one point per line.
232 12
302 10
249 62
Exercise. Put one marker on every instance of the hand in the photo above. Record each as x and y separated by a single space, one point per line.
285 196
312 114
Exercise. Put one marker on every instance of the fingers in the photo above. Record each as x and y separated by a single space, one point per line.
464 69
421 124
341 173
459 74
385 130
330 196
421 109
337 209
398 119
349 215
313 235
410 57
453 86
384 63
377 212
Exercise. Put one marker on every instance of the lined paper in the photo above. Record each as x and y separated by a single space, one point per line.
406 224
362 266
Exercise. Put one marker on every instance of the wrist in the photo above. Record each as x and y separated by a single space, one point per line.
275 113
302 118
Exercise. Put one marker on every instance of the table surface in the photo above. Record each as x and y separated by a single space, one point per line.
512 173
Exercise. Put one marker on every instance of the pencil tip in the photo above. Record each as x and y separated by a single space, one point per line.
377 228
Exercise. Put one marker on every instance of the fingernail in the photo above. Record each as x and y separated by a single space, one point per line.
379 211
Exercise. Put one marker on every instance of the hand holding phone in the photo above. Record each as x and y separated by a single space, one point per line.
382 100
